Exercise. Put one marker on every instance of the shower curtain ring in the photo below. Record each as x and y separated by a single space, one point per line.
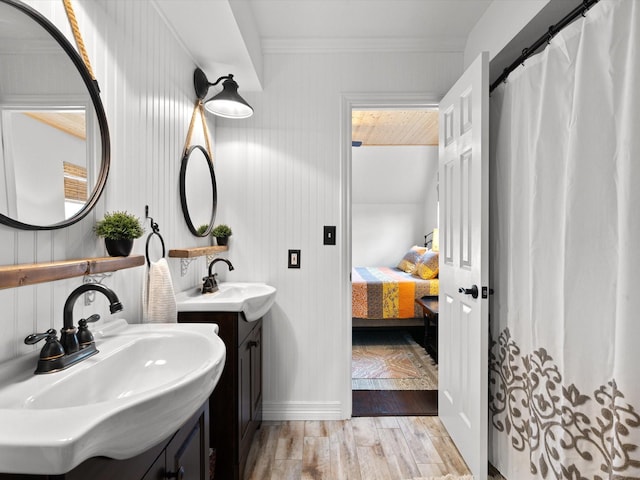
550 35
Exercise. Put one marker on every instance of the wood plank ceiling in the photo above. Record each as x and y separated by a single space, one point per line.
72 123
395 127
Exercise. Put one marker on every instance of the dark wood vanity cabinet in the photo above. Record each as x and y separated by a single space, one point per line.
236 403
249 392
187 455
184 455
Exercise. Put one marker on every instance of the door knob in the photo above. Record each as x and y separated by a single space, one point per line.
473 291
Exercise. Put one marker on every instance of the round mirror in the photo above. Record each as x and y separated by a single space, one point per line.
54 139
198 192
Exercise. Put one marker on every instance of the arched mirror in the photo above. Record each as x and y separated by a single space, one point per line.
198 192
54 138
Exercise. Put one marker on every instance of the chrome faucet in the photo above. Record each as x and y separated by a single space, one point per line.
74 345
210 284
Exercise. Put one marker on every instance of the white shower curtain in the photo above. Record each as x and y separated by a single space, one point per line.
565 248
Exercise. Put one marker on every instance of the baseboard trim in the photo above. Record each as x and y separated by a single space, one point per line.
275 411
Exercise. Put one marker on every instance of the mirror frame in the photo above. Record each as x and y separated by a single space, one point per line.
183 193
94 92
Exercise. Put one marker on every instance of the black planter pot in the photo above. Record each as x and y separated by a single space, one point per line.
118 248
222 241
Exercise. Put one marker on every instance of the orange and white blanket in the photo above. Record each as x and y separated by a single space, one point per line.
385 292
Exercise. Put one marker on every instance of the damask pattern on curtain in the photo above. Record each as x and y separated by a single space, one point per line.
565 249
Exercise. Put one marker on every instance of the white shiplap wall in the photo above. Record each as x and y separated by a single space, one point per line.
279 179
147 90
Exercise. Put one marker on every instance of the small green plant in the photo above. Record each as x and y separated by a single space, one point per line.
119 226
221 230
202 228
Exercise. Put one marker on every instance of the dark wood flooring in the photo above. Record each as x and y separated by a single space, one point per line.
381 403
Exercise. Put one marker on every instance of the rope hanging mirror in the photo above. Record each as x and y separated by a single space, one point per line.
77 35
198 190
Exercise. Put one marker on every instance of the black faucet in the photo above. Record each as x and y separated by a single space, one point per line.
210 284
68 333
74 346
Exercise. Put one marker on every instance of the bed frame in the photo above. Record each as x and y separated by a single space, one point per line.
387 322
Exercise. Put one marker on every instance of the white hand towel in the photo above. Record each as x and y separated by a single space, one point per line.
158 298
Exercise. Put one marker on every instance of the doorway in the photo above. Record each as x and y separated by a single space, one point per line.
392 206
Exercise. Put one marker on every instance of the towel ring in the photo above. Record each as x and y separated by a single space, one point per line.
155 231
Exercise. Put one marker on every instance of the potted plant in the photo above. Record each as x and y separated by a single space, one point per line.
222 233
119 229
201 229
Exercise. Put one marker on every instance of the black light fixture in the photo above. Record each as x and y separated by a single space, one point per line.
227 103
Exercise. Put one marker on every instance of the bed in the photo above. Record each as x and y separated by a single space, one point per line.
385 296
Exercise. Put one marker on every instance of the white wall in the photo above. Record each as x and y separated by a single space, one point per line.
40 197
502 21
394 201
280 181
146 83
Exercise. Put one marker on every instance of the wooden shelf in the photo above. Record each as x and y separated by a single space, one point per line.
196 251
29 274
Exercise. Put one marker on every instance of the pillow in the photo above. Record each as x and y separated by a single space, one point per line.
410 259
427 266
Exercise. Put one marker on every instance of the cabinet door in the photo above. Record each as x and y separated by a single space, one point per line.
188 460
250 392
157 470
244 387
256 375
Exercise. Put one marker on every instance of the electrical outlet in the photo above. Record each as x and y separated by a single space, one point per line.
294 258
329 235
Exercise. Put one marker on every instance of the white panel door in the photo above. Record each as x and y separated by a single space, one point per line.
463 313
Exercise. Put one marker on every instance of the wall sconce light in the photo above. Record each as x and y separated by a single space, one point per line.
227 103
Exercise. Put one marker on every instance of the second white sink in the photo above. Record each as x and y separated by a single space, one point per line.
252 299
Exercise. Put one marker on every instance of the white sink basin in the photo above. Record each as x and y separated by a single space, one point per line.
145 382
252 299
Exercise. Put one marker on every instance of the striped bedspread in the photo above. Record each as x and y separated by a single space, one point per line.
385 292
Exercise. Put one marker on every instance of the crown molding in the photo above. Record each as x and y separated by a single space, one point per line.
360 45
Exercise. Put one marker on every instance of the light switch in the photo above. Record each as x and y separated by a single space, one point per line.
294 258
329 235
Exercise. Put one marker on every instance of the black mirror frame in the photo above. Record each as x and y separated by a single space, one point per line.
183 193
94 92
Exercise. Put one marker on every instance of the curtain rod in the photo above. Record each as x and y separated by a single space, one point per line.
544 39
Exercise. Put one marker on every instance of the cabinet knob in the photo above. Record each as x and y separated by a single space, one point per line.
253 344
179 474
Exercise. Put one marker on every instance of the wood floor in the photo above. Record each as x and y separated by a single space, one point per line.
393 403
364 448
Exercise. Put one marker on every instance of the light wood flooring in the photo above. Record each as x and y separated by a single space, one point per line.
365 448
362 448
